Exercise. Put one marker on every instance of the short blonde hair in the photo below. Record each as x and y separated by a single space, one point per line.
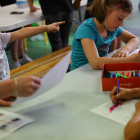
98 7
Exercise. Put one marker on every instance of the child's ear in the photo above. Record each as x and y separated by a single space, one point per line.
107 10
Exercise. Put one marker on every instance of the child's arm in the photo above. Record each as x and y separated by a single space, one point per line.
26 86
97 62
124 94
31 6
31 31
131 42
132 129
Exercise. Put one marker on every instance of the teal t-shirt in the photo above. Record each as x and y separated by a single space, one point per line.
88 30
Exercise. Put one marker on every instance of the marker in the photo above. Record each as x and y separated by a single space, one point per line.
116 75
126 74
131 74
111 76
139 51
118 88
138 74
105 74
122 75
135 73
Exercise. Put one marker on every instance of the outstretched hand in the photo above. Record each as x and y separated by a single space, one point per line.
54 27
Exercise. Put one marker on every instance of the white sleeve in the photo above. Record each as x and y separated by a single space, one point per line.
4 37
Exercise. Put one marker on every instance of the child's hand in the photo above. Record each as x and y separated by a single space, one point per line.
27 86
54 27
121 53
124 94
34 9
5 103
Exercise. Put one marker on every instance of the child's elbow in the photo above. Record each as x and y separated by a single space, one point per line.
138 41
97 66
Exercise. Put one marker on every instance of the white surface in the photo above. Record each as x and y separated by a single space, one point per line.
122 114
7 119
63 113
50 80
11 21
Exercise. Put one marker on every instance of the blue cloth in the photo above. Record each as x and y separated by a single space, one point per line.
88 30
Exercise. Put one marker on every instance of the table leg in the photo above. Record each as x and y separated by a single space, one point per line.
45 34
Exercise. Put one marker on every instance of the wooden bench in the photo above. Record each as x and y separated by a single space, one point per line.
40 66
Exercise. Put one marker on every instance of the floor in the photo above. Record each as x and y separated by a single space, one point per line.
38 48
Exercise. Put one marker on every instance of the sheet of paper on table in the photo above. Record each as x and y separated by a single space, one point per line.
122 114
50 80
9 122
135 51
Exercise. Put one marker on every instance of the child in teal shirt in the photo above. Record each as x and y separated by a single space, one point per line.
93 37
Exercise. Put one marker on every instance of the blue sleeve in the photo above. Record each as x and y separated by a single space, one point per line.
119 31
85 32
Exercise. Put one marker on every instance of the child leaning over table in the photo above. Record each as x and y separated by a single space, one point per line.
93 37
6 38
132 129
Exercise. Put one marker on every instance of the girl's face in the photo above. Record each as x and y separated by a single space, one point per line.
114 19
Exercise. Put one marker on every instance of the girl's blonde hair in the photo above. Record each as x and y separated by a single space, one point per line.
98 7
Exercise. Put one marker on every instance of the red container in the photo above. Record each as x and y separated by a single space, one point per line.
109 83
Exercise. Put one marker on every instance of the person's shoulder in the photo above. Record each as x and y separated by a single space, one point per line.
88 24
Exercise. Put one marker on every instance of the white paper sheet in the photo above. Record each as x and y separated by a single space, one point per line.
122 114
50 80
110 54
9 122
